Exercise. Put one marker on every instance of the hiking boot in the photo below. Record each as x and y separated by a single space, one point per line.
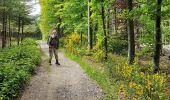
50 62
57 63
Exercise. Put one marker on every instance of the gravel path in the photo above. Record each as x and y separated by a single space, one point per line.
65 82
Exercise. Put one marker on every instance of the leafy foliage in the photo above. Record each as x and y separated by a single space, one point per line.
16 66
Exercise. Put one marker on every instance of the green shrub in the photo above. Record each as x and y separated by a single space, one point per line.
29 41
16 66
117 46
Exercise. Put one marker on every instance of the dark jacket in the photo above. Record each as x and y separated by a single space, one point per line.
51 42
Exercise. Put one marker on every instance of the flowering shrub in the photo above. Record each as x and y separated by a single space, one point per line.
71 42
139 85
133 83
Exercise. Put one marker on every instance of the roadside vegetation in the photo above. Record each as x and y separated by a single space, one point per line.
115 76
19 56
17 64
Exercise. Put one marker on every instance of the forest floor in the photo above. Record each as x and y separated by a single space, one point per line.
65 82
164 64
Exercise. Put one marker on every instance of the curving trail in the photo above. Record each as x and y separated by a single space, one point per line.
65 82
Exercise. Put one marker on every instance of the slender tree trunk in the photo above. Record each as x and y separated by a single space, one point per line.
3 29
90 37
104 29
81 37
94 33
81 34
158 37
7 34
131 37
115 22
59 29
22 27
9 29
108 22
19 25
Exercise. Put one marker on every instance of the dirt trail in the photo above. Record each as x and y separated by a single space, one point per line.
65 82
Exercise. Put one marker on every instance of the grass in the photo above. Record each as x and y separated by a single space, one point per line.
101 78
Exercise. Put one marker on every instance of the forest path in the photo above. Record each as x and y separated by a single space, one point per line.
65 82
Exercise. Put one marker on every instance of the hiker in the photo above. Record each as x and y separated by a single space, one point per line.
53 43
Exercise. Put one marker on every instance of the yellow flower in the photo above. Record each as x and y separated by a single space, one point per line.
134 98
139 90
148 98
142 74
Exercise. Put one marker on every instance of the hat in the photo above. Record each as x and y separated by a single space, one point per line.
54 31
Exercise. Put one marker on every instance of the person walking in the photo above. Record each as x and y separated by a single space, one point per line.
53 43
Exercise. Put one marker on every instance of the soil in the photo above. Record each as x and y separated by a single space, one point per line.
61 82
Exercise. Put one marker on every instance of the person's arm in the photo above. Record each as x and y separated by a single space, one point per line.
48 40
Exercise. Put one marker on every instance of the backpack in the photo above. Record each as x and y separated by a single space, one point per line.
52 41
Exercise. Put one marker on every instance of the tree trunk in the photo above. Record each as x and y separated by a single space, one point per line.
108 21
22 27
59 29
115 22
81 38
158 36
90 37
19 25
3 29
94 33
104 29
131 38
9 29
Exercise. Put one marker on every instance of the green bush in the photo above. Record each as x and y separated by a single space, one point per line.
117 46
16 66
29 41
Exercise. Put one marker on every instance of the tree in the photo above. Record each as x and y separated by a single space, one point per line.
158 36
12 11
131 37
3 25
104 28
90 36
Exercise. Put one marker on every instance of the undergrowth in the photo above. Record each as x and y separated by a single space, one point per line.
118 80
16 66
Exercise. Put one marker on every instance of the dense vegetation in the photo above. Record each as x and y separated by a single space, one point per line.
109 31
115 76
18 56
16 66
